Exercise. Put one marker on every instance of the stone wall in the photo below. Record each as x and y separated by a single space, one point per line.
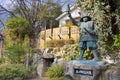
58 33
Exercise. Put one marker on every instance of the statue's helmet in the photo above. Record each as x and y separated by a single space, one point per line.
85 17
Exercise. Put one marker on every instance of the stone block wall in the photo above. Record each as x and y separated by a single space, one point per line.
58 33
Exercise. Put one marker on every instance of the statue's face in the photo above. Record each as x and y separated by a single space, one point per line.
85 19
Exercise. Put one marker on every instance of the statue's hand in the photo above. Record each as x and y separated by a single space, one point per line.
68 8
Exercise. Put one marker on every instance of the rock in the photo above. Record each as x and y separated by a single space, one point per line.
43 66
48 53
40 68
45 62
47 50
37 56
112 73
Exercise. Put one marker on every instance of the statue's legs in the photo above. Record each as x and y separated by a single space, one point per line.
95 53
83 47
81 54
93 47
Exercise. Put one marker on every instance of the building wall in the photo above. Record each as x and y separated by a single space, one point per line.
62 32
74 14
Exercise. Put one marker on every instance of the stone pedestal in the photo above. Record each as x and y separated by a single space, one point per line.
84 69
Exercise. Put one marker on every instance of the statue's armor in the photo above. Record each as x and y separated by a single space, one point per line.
88 35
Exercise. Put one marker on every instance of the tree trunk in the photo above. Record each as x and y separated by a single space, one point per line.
27 59
34 40
69 32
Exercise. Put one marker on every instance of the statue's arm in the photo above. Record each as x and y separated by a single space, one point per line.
73 20
69 15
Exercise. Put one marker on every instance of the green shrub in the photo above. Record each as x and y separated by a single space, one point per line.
59 43
55 43
15 53
50 44
117 40
70 41
55 71
9 71
88 55
71 52
56 49
61 78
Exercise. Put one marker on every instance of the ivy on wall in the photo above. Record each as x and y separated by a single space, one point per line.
103 17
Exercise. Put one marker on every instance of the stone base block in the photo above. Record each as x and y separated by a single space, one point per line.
84 69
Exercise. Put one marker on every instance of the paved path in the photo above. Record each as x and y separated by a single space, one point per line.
43 78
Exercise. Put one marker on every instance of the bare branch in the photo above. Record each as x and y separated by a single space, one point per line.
7 10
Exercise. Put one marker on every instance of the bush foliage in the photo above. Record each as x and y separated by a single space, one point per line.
55 71
59 43
10 71
117 40
73 51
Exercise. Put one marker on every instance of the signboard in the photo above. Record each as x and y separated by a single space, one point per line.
83 72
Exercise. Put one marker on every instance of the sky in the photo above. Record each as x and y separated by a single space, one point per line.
4 15
7 3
